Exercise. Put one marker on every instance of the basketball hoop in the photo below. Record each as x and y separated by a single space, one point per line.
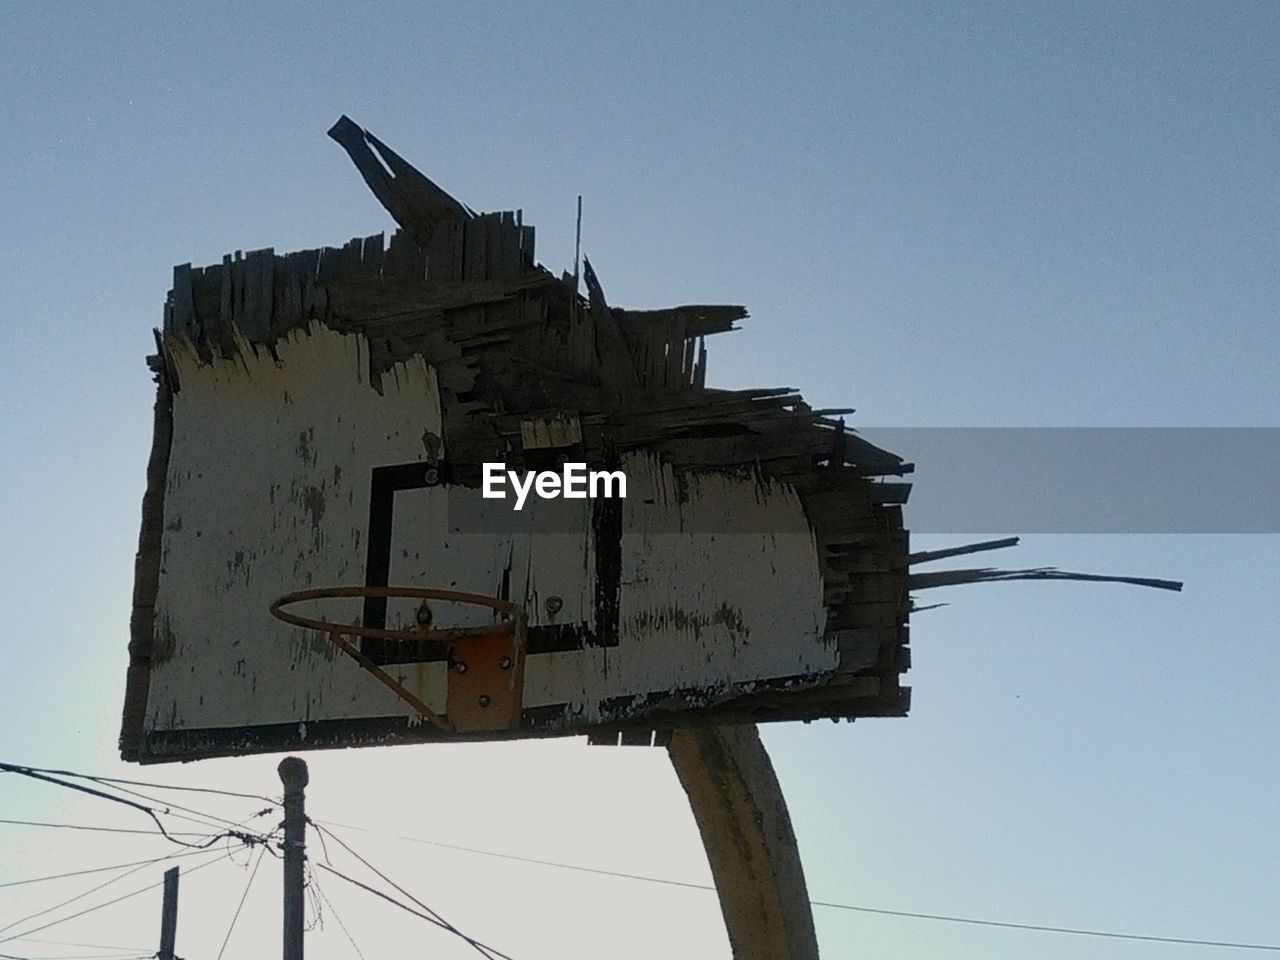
485 663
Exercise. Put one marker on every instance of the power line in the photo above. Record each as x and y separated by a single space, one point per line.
1076 931
236 916
78 896
408 909
317 911
945 918
481 948
97 829
53 923
533 860
321 894
92 946
156 786
211 819
81 873
91 791
475 944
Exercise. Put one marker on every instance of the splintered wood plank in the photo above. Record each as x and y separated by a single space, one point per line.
266 289
527 245
509 249
674 347
291 281
314 297
226 297
873 614
372 254
402 254
473 265
352 258
248 322
440 253
259 277
492 245
445 253
237 288
204 294
182 318
616 362
327 268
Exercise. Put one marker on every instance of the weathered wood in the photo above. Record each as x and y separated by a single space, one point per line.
474 265
182 318
226 296
527 246
371 255
401 258
146 573
615 358
259 273
927 556
700 320
351 263
412 199
455 314
452 234
951 578
508 246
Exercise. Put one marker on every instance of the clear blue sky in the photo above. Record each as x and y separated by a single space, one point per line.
1030 214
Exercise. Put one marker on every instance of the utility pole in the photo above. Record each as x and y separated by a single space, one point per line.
169 915
294 776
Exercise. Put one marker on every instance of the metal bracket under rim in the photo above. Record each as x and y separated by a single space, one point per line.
485 686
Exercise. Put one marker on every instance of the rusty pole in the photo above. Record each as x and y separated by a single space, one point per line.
294 776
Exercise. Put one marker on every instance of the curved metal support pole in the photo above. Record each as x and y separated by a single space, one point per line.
742 816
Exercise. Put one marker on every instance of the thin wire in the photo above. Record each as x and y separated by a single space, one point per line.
46 778
236 916
83 826
481 948
1076 931
213 820
321 894
95 946
308 884
53 923
156 786
81 873
70 900
1042 928
533 860
84 956
491 951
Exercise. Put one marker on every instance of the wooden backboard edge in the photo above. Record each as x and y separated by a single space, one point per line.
768 703
146 579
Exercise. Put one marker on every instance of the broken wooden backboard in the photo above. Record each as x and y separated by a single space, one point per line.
323 420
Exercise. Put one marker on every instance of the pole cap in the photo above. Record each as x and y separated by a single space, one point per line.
293 773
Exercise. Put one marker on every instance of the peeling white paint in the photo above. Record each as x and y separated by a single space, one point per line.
700 608
268 492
